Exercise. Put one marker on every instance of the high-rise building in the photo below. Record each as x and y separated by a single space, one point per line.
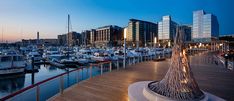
141 32
205 27
106 36
187 29
166 29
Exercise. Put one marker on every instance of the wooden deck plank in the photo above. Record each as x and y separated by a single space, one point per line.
113 86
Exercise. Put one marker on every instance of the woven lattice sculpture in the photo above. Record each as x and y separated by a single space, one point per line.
178 83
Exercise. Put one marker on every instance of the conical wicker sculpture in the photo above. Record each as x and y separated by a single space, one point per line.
178 83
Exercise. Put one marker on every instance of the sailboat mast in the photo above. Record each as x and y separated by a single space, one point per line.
68 30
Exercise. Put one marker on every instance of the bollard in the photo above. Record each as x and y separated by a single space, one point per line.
61 85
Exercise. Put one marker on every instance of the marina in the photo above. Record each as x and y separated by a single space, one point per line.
45 70
123 50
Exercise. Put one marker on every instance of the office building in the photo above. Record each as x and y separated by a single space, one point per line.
187 31
141 33
74 39
92 37
85 36
71 39
205 27
106 36
62 39
166 29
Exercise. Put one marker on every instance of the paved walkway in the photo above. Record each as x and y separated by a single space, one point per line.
113 86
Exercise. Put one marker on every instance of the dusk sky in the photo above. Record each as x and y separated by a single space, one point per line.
23 18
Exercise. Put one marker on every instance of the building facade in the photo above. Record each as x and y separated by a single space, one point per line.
45 42
187 29
73 39
166 29
85 36
141 33
62 39
205 27
106 36
92 36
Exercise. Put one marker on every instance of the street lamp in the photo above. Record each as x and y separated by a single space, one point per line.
125 35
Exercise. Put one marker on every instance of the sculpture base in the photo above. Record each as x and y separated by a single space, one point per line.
139 92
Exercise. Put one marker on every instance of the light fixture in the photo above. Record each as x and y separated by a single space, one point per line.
155 40
125 33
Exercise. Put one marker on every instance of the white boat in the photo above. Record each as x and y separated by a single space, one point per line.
100 57
37 57
119 54
12 64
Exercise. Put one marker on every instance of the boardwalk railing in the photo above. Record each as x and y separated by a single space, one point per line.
47 88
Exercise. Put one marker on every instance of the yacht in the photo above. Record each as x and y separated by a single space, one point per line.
100 57
36 55
12 63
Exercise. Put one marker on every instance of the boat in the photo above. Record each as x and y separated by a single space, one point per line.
100 57
12 63
34 54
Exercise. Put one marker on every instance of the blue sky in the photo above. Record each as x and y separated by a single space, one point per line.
23 18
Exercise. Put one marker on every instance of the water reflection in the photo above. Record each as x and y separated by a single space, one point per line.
10 84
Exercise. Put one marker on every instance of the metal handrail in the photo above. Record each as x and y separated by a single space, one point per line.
59 76
44 81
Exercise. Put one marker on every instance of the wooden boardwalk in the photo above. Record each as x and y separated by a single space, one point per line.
113 86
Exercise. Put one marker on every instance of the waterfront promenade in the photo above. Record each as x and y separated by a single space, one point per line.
113 86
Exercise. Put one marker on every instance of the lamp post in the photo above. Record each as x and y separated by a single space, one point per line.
125 35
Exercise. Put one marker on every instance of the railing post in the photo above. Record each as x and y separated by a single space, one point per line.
110 66
90 71
101 69
124 64
134 60
61 85
129 61
78 76
37 93
81 73
138 59
141 58
117 64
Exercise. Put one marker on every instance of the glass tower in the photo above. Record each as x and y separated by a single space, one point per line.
205 27
166 28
